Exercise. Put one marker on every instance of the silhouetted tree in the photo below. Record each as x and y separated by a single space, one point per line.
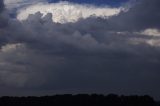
79 100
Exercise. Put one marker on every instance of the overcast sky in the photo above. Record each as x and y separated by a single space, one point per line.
52 47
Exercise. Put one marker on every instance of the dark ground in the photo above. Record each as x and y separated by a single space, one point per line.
79 100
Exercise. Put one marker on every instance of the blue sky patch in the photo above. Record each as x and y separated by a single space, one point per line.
95 2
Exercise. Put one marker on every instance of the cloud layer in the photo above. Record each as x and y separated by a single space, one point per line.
93 54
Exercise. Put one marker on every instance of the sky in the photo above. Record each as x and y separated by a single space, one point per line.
79 47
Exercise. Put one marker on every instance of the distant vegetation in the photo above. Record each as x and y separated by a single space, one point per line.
79 100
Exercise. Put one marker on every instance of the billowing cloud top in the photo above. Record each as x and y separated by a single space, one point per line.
67 12
76 49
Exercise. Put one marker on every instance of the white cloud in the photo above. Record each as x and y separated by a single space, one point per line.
68 12
10 47
150 36
151 32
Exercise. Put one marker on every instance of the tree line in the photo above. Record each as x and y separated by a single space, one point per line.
79 100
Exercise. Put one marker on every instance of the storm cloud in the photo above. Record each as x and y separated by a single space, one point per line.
1 5
143 15
119 54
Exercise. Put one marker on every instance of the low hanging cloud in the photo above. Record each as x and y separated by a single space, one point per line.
151 32
119 54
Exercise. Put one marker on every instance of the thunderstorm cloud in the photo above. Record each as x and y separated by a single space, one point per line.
75 48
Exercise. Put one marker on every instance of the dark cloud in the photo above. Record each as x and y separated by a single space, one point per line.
91 55
143 15
3 15
1 5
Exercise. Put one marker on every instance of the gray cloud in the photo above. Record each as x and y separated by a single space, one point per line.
143 15
2 17
91 55
1 5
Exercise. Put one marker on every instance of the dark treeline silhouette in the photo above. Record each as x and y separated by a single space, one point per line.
79 100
